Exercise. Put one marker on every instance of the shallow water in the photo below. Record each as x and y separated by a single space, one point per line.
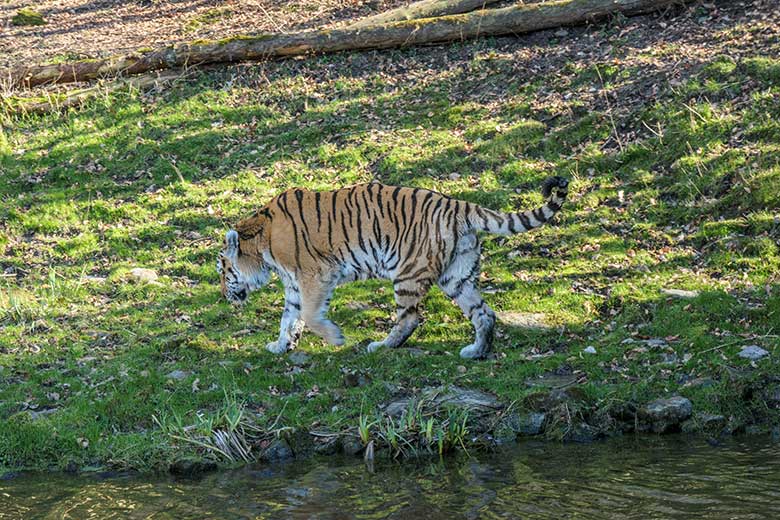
647 477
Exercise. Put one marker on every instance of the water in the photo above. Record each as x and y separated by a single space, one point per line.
640 478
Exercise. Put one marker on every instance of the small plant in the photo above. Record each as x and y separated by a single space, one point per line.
364 429
27 16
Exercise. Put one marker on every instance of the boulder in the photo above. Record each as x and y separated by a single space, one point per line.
752 352
178 375
680 293
143 275
191 466
581 432
351 446
277 450
436 398
531 424
664 415
523 320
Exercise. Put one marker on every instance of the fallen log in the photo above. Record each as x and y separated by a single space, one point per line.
423 9
515 19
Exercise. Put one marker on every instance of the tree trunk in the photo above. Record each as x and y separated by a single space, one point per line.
422 9
515 19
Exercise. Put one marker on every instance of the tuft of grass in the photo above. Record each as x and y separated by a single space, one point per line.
27 17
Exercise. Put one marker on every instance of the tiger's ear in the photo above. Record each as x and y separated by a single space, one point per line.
250 227
231 243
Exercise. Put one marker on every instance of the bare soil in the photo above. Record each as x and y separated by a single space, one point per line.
94 28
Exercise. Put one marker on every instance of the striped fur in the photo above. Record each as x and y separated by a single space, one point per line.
315 241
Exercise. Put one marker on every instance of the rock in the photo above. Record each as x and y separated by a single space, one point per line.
582 432
663 415
560 33
327 446
523 320
298 357
143 275
531 423
437 398
700 382
552 380
351 446
41 414
277 450
462 398
461 369
397 407
655 343
680 293
704 422
589 350
454 176
752 352
355 379
178 375
772 397
526 424
189 467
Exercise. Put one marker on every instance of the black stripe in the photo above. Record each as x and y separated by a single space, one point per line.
283 199
379 201
524 220
319 213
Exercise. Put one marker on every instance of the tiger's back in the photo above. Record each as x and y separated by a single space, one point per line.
416 237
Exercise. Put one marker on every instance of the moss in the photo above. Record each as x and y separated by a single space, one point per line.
27 17
208 17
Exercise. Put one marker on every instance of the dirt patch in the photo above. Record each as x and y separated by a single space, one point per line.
95 28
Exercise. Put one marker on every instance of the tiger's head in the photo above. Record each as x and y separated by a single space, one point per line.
240 273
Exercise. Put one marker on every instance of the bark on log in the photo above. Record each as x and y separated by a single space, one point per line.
515 19
423 9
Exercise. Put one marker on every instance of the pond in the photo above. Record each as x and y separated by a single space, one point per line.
645 477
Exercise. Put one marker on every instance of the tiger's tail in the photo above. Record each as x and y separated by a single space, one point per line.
554 189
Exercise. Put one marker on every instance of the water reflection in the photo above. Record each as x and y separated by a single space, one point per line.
643 479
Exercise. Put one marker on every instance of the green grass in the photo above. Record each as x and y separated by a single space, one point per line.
154 180
27 16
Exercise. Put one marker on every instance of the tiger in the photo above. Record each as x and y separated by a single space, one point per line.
315 241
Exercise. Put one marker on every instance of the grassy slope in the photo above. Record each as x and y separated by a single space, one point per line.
154 180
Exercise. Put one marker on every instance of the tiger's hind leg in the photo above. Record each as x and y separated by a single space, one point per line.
291 326
459 282
316 300
408 295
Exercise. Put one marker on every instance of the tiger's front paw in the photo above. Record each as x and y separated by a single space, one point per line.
275 348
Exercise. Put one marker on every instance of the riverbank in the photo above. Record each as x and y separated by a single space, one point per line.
116 350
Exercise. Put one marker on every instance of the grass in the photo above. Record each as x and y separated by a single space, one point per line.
154 179
27 16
